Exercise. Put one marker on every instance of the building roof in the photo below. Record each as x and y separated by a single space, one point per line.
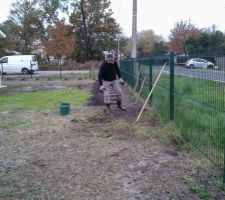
2 34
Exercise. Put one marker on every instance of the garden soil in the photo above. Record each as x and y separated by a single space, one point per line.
89 155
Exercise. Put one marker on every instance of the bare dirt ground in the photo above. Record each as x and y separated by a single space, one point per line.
87 155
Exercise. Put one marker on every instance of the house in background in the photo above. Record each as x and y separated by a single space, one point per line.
2 34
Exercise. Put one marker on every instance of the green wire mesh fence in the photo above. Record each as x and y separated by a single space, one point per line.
190 92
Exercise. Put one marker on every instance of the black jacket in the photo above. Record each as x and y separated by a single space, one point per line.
108 72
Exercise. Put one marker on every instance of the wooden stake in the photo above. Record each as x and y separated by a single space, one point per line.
150 93
142 85
136 84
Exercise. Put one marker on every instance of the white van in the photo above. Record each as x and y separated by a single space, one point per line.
25 64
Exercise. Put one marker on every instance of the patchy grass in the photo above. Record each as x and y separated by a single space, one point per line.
14 122
198 113
11 123
90 155
6 190
197 187
42 100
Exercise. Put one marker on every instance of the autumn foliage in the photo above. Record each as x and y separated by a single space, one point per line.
61 42
180 33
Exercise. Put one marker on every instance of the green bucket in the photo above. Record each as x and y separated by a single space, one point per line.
64 109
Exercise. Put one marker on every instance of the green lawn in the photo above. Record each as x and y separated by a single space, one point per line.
42 100
199 107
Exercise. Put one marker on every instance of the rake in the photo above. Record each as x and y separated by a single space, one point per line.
150 93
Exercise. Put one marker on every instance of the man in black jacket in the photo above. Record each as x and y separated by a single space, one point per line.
107 76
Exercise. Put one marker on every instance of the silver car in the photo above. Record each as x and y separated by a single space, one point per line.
199 63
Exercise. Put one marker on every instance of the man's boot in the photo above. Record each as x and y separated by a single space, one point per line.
107 109
120 106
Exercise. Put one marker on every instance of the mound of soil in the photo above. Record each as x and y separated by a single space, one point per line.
97 98
132 108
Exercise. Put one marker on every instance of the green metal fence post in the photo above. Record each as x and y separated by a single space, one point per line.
199 98
224 166
133 71
121 68
171 86
150 78
224 163
139 68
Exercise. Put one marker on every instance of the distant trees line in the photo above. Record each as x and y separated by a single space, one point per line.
88 30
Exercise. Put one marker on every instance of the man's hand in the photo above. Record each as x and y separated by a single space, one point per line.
102 88
121 81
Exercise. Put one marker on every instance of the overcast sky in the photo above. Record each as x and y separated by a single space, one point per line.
4 9
161 15
158 15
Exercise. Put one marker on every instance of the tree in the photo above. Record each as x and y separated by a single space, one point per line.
180 33
9 43
208 39
61 42
50 10
84 29
95 29
217 39
27 23
159 48
31 19
145 42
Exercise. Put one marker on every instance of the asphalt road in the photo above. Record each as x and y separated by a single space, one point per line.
207 74
48 73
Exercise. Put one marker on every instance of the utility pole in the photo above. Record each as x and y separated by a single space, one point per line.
134 30
118 50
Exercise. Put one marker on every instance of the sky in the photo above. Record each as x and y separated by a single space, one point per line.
158 15
4 9
161 15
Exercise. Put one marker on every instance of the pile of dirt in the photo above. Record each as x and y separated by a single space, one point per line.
97 96
129 102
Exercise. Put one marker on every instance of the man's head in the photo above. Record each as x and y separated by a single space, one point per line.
113 52
110 58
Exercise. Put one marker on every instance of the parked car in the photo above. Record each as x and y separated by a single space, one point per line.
19 64
199 63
